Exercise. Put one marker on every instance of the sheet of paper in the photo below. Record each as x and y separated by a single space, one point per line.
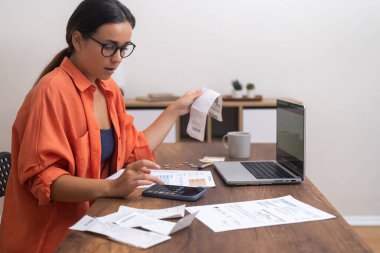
159 226
112 217
211 159
192 178
137 237
166 213
168 229
131 236
258 213
209 103
116 175
183 223
133 220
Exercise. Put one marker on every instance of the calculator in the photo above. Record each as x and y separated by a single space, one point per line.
184 193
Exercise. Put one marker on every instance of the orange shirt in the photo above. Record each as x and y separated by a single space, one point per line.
56 133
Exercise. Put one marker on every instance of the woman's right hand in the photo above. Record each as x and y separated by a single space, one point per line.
134 175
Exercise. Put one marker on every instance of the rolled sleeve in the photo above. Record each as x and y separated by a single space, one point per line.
40 185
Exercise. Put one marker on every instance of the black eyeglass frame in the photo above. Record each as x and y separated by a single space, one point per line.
116 49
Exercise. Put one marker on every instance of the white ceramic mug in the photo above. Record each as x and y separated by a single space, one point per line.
238 144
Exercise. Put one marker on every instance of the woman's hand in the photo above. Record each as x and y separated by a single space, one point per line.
157 131
135 174
182 105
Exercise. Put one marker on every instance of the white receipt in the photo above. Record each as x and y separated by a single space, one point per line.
158 226
209 103
131 236
121 225
167 213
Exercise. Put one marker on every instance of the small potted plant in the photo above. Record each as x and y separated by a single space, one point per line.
250 87
237 91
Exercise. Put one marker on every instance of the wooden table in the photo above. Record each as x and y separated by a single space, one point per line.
333 235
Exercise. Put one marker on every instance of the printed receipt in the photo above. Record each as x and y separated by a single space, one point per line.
122 225
210 103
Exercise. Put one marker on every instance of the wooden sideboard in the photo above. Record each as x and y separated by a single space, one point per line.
233 118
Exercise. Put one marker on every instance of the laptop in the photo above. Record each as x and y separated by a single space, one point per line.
288 168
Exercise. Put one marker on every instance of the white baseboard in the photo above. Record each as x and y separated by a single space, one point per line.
361 220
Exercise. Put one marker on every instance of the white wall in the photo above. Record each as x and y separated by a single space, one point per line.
325 53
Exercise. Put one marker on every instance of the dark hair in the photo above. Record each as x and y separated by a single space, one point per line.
86 19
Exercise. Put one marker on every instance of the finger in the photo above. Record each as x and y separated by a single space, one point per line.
149 164
195 95
136 166
144 182
156 180
145 170
196 92
149 177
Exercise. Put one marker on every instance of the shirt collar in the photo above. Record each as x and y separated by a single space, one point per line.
103 85
80 80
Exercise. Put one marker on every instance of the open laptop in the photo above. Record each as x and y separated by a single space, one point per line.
290 153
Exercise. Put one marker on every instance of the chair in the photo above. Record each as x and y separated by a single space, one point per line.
5 167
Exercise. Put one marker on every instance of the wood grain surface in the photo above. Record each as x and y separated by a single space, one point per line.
334 235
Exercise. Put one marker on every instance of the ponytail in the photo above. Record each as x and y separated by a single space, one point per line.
54 63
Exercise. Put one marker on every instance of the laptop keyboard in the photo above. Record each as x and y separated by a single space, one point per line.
266 170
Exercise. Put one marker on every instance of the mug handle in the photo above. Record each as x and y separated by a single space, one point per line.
224 140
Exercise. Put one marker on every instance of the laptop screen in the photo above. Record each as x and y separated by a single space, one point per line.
290 151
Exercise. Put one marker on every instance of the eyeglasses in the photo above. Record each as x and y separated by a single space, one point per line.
109 49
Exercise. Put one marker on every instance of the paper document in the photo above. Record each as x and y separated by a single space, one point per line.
258 213
167 213
159 226
171 229
131 236
121 225
192 178
116 175
209 103
212 159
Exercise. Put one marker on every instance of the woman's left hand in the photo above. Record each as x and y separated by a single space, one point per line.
157 131
182 105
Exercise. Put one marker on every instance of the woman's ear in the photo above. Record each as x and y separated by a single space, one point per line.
77 40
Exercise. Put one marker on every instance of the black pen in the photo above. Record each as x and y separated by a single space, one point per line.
203 166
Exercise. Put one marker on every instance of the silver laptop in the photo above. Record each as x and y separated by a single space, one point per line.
288 168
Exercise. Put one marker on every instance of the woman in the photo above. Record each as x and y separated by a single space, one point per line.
72 131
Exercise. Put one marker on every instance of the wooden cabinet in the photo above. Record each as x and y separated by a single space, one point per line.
256 117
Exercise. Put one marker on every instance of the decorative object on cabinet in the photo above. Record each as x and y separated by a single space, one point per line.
237 91
250 88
